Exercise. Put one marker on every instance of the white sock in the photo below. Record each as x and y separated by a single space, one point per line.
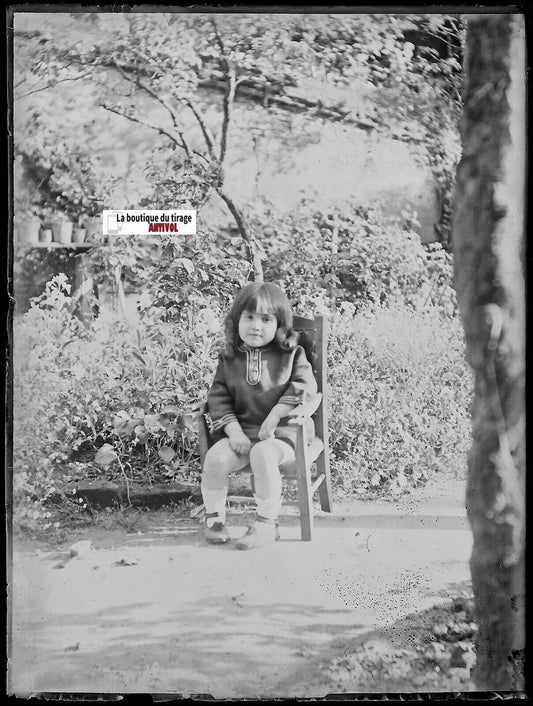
214 501
268 507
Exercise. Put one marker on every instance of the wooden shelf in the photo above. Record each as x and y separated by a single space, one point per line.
70 246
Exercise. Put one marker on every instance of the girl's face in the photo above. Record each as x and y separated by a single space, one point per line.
258 328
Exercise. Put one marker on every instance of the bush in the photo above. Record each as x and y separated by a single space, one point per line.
323 257
33 268
42 410
399 399
113 401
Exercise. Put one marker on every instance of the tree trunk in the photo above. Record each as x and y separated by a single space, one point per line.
488 239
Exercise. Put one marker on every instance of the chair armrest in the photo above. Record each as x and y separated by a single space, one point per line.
305 410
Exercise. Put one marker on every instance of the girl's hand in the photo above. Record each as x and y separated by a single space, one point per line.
239 442
268 427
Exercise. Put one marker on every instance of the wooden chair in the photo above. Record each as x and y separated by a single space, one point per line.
313 338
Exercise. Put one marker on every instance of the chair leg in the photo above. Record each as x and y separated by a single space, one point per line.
322 466
303 475
203 438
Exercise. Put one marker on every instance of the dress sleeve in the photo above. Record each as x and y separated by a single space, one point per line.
219 400
302 385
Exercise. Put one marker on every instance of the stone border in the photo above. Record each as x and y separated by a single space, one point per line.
101 494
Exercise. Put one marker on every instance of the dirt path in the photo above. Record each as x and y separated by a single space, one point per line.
163 612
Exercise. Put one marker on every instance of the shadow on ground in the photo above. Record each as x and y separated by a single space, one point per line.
234 639
214 660
392 660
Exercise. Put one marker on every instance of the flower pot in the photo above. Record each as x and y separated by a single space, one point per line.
94 229
45 235
62 232
78 235
28 230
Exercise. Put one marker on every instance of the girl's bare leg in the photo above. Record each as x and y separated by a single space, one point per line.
220 460
265 460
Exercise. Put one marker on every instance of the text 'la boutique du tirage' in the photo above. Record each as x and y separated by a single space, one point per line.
138 222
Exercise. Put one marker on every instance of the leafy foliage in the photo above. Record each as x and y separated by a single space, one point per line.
281 65
352 254
399 399
34 268
43 425
177 276
129 387
58 175
115 400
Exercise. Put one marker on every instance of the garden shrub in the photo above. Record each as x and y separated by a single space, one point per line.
175 275
114 401
114 389
34 267
400 394
140 384
326 256
43 423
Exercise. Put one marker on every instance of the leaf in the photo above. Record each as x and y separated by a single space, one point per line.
90 423
139 357
123 428
439 629
189 420
151 421
142 433
166 453
171 410
105 455
401 480
187 264
164 421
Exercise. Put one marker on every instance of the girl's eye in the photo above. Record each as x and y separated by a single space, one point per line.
267 319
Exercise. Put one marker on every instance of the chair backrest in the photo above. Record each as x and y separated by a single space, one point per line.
314 340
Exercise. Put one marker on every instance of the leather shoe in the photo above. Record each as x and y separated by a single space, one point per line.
259 535
217 534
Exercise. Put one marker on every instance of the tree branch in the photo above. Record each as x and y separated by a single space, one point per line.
250 90
209 140
201 155
251 246
227 103
48 85
153 94
229 94
156 128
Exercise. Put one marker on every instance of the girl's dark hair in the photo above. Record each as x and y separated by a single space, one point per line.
261 296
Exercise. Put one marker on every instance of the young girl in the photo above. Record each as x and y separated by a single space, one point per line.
260 378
